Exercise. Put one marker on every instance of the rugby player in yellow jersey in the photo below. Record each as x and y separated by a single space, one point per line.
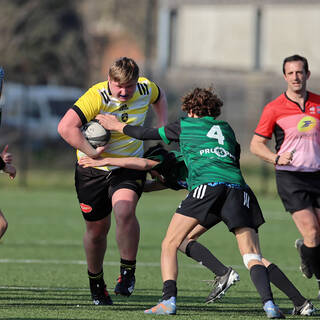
102 189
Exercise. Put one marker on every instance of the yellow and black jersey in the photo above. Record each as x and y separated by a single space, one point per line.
98 99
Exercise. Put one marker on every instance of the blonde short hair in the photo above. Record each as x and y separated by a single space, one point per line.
124 70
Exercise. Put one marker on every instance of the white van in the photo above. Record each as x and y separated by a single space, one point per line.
36 110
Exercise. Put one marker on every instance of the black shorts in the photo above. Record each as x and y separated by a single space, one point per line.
95 188
298 190
236 207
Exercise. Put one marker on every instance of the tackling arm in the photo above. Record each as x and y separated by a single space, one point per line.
142 133
111 122
142 164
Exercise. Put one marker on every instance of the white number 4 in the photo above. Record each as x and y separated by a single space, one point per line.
216 133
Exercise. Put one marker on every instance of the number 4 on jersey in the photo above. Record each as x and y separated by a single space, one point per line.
216 133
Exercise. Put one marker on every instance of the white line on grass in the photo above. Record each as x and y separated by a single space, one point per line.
45 242
43 288
116 263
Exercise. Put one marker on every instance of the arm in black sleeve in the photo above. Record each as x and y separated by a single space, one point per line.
142 133
168 133
2 164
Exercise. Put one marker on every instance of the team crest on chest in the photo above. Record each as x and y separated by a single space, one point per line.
124 117
306 124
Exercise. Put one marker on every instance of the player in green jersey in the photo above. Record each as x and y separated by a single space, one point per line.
169 171
217 189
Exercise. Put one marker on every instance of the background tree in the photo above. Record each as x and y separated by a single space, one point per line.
42 42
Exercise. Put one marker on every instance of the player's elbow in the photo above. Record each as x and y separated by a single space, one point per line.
254 147
62 129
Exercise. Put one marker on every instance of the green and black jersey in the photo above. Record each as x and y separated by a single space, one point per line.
209 148
172 167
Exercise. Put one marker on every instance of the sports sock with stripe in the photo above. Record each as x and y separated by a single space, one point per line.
127 266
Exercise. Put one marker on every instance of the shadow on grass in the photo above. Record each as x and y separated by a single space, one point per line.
79 298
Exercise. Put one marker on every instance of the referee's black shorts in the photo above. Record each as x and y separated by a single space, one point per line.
298 190
236 207
95 188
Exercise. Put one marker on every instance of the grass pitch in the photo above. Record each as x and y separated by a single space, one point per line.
44 275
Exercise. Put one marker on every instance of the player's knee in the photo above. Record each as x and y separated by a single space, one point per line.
124 213
249 257
169 244
95 235
123 220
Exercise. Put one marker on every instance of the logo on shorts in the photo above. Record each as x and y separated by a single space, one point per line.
306 124
246 200
199 192
85 208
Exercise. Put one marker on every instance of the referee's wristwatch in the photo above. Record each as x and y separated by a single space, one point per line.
277 159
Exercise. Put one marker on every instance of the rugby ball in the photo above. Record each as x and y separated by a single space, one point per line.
96 134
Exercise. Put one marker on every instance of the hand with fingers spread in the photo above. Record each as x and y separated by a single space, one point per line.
89 162
110 122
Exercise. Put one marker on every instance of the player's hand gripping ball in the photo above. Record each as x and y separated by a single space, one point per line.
96 134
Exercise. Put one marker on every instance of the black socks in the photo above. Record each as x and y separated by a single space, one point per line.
198 252
169 289
260 278
280 280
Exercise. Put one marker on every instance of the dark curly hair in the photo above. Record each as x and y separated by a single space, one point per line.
202 102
